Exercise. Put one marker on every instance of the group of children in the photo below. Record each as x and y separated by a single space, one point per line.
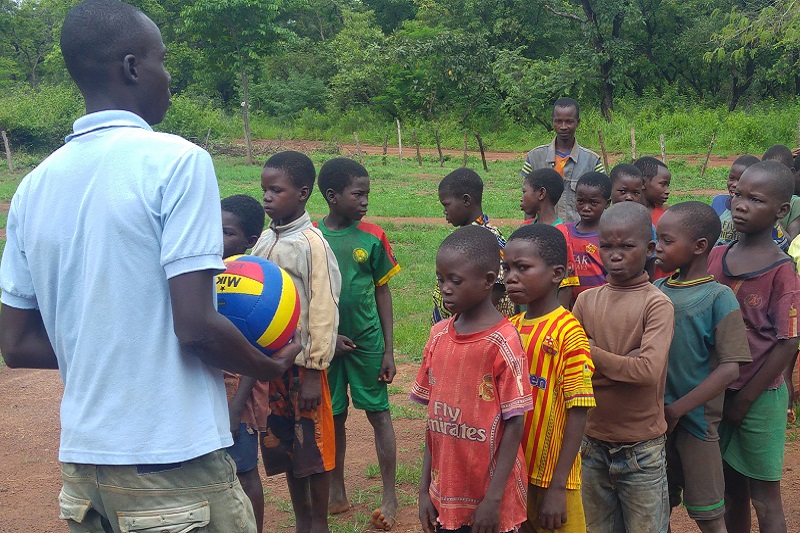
607 401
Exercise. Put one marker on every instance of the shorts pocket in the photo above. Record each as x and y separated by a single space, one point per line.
175 520
649 459
76 511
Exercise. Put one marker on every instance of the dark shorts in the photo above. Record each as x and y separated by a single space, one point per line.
301 442
694 475
244 451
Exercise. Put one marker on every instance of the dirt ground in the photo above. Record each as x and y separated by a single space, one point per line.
30 479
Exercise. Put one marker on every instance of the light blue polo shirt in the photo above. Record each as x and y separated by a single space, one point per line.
93 235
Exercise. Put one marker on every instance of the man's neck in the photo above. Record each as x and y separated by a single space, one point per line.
565 146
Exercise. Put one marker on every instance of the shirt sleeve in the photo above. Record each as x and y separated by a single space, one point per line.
730 338
191 217
384 265
324 284
15 275
599 167
578 368
647 368
784 302
570 276
511 378
527 166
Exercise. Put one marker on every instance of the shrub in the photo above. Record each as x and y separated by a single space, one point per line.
38 120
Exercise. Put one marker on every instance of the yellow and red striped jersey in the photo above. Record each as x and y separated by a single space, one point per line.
561 378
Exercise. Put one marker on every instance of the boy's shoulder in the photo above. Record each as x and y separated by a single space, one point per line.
586 152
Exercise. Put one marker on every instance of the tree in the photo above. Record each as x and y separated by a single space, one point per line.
237 32
29 30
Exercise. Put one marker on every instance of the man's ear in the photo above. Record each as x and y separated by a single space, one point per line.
541 193
784 210
130 69
651 247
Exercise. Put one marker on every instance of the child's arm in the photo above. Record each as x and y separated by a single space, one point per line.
644 366
383 298
23 339
711 387
235 408
777 360
487 515
427 512
553 508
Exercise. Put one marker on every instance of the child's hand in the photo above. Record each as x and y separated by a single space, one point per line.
486 518
671 416
388 368
234 418
427 513
285 356
553 509
736 409
310 394
343 345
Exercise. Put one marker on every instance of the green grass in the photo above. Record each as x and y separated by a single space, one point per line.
407 411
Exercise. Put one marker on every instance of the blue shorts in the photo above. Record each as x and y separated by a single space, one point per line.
244 451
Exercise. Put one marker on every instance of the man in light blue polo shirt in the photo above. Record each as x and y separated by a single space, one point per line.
108 275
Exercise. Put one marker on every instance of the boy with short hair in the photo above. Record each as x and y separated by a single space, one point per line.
656 185
364 351
592 195
541 190
242 223
790 222
707 348
629 323
560 371
752 431
473 470
626 183
461 193
299 437
721 204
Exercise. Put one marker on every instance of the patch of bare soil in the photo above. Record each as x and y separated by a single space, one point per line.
30 477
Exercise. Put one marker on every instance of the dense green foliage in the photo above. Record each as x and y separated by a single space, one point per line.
325 68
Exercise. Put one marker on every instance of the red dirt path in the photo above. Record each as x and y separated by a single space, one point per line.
30 479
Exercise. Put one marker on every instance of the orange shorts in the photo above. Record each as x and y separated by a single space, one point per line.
302 442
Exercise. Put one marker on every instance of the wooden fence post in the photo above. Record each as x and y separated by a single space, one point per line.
358 147
465 149
8 151
483 154
385 145
603 148
399 143
416 143
663 150
633 143
708 154
439 147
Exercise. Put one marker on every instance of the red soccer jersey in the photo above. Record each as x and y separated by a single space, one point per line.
471 384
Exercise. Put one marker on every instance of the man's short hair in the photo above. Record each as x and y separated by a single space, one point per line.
460 182
624 170
549 180
98 33
477 244
338 173
781 182
566 101
550 243
298 167
698 220
781 153
631 215
598 180
649 166
249 211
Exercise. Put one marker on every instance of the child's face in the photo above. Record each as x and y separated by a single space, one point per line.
463 284
456 209
754 207
623 251
627 189
526 276
234 239
352 203
283 201
656 190
675 247
530 199
734 176
590 203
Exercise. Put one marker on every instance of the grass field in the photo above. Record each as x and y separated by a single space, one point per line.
405 192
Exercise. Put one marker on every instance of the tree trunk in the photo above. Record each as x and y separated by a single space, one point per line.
246 116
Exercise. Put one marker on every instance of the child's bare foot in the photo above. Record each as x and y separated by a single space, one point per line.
384 518
338 507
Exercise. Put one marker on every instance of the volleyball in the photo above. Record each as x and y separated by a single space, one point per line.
260 299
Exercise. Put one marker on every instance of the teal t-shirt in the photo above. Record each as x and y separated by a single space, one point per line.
709 330
366 260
